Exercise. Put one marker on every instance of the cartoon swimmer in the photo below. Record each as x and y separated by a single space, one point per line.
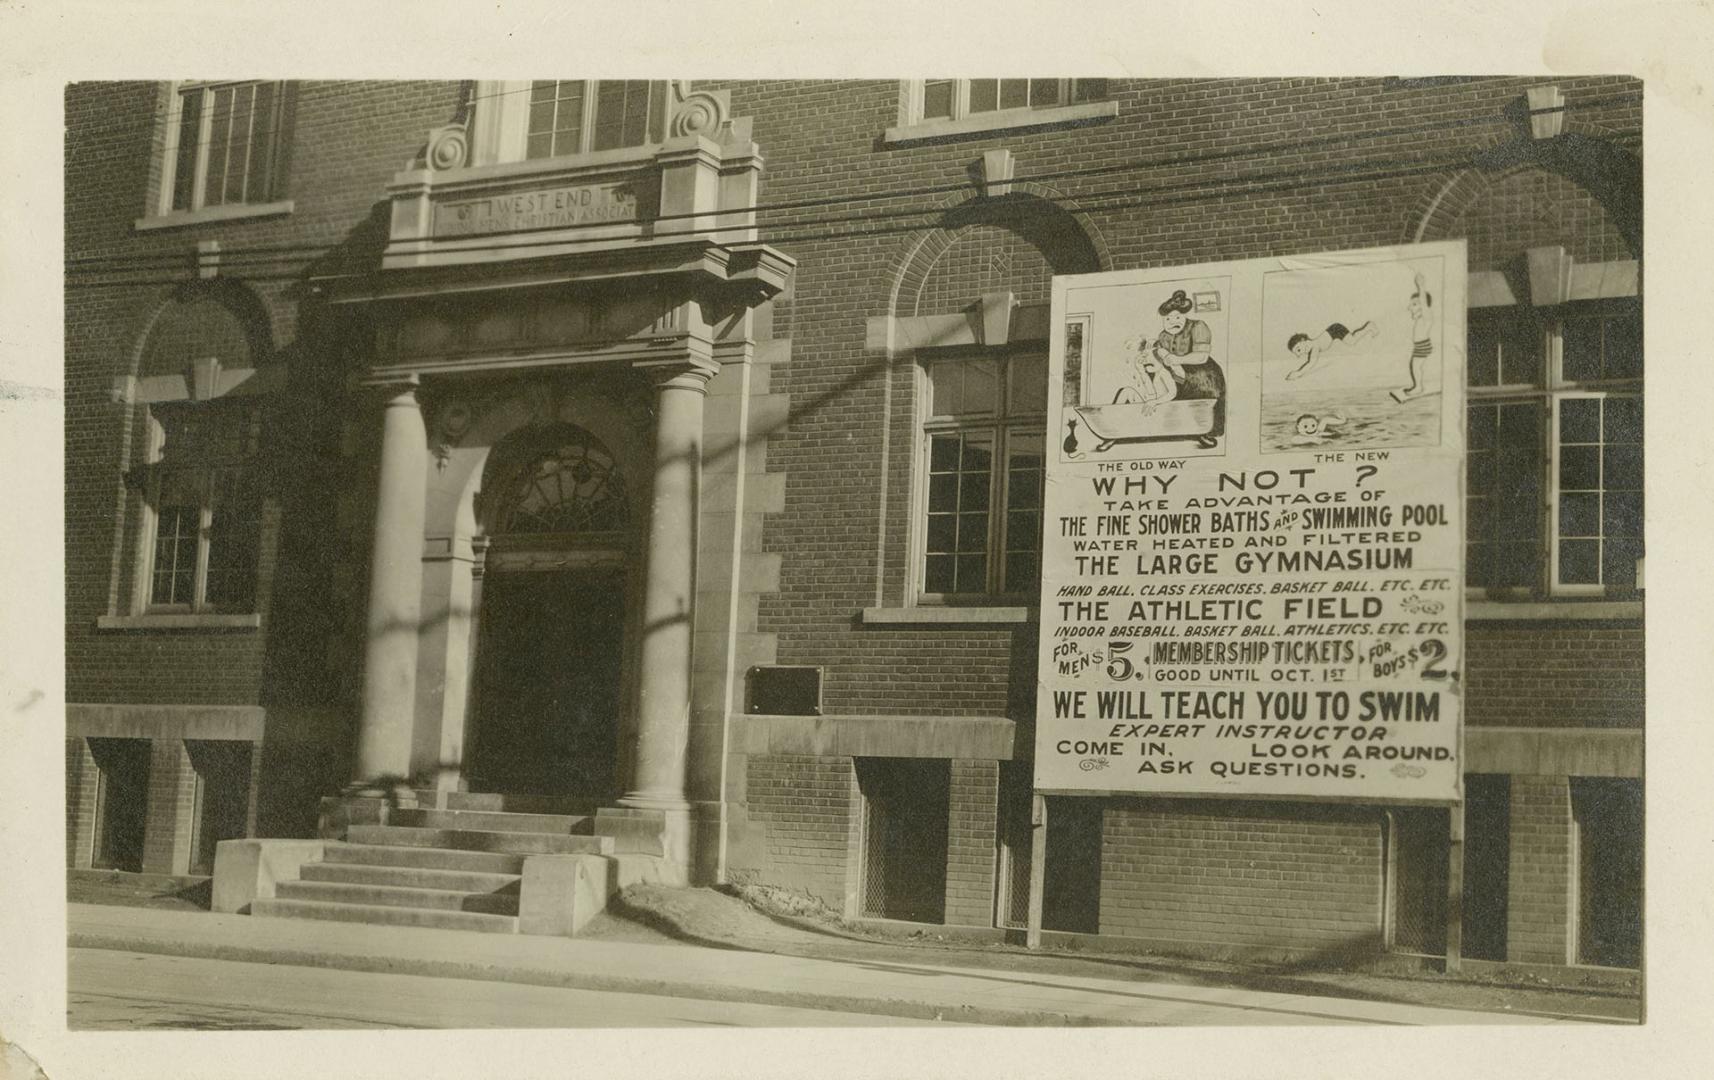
1313 430
1315 352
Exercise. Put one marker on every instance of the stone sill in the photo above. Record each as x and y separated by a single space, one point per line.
935 614
177 621
239 723
992 738
594 163
207 215
1551 610
1002 120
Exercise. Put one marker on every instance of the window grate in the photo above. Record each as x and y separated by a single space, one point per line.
1420 850
906 803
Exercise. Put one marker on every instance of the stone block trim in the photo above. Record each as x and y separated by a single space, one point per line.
1539 913
82 780
970 843
1241 874
804 808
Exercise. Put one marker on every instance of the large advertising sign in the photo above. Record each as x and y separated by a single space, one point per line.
1253 546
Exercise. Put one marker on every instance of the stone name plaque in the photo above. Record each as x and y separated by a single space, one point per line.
551 208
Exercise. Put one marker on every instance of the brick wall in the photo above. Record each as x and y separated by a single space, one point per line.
172 805
970 843
1223 169
1538 917
1229 169
348 140
807 811
1226 169
1244 874
1554 675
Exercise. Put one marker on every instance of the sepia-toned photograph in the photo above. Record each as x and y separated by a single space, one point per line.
554 566
585 552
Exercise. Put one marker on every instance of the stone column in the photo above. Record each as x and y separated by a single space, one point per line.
395 590
669 583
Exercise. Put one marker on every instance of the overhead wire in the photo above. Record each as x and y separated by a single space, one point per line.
467 98
1170 161
843 227
259 257
1104 201
284 253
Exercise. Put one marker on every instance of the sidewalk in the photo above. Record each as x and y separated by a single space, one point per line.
910 991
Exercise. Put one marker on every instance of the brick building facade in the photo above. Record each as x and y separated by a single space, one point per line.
723 310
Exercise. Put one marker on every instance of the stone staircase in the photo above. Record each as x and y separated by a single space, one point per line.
457 866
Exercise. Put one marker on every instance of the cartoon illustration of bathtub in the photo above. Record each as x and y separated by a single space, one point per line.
1136 421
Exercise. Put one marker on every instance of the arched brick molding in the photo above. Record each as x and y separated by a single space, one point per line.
1610 173
1031 219
220 319
1033 213
224 315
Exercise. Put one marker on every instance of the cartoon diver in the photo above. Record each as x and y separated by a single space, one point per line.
1421 338
1314 352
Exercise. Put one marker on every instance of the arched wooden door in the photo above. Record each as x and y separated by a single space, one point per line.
554 617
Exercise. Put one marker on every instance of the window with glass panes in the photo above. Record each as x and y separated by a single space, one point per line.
205 509
983 454
224 145
575 116
954 99
1554 449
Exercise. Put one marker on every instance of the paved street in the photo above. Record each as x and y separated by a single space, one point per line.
305 973
138 991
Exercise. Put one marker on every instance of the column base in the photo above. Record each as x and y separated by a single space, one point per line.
651 844
360 804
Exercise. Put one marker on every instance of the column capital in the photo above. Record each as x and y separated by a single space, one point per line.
679 373
391 384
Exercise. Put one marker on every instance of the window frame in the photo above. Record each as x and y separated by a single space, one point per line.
271 200
1547 395
501 127
204 474
1066 91
1004 426
1558 587
912 126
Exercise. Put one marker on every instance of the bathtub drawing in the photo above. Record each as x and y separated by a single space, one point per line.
1137 421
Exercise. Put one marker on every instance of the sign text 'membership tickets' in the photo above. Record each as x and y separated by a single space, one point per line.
1253 529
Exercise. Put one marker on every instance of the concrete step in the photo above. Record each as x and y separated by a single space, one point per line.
339 892
387 916
410 877
427 858
493 820
519 843
514 804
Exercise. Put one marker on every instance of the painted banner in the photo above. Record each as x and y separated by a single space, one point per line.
1253 546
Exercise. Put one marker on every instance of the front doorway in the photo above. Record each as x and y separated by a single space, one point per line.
548 684
121 802
551 654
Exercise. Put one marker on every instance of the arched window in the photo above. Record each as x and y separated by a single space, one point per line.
204 376
571 487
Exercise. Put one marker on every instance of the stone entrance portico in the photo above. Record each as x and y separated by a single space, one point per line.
619 330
